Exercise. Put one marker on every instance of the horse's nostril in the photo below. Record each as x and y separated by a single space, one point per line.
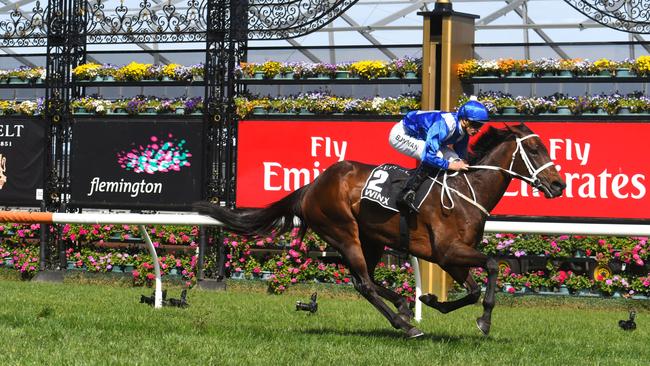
558 185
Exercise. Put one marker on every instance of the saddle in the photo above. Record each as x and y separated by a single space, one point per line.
385 183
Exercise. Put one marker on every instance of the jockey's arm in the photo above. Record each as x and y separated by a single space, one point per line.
435 135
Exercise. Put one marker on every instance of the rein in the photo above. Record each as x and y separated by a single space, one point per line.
446 191
532 180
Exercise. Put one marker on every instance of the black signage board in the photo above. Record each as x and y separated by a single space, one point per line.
136 163
22 160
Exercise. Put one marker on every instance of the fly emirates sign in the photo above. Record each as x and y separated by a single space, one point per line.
603 165
601 162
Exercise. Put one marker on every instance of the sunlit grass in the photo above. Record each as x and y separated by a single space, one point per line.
79 324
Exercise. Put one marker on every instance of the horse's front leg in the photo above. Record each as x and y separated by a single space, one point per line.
463 277
485 320
462 255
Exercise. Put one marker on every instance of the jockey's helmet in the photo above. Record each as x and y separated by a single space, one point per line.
473 111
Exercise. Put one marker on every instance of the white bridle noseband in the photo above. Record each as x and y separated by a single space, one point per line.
532 180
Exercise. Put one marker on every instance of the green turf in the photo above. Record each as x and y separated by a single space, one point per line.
97 324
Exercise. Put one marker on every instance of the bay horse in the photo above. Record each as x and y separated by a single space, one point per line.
331 207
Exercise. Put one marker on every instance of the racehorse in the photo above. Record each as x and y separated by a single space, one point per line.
331 207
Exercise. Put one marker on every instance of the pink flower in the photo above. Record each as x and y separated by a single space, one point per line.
511 290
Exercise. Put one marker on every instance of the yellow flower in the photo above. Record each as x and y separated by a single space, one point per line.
271 68
133 72
369 69
170 70
642 65
86 71
603 64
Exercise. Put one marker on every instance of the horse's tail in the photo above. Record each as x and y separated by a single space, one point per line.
260 221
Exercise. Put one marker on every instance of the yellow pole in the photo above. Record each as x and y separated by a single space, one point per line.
447 40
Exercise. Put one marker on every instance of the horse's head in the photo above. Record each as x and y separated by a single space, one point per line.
531 161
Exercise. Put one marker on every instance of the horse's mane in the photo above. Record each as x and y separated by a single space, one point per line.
486 142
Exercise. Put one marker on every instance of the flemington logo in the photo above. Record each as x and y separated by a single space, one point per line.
159 156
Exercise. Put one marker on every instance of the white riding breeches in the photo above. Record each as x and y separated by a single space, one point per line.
413 147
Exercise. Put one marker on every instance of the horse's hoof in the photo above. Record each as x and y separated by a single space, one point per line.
483 326
428 299
414 333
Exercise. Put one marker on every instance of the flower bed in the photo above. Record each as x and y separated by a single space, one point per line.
22 108
23 75
323 104
135 72
283 260
407 67
138 105
320 103
552 67
304 103
499 103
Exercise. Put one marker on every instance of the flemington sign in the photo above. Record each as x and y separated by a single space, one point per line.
136 164
601 162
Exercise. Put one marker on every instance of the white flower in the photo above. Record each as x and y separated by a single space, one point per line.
378 102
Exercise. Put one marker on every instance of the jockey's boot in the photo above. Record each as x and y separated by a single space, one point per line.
407 195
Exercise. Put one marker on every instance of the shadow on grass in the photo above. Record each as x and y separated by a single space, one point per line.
396 334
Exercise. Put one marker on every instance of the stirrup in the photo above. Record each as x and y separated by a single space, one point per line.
407 200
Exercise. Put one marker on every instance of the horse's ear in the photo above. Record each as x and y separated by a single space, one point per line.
508 127
522 127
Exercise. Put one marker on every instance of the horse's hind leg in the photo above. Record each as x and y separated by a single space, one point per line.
462 276
353 255
398 300
372 253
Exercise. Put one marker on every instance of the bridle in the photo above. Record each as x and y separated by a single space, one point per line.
532 179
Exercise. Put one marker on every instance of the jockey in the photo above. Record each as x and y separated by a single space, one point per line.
428 135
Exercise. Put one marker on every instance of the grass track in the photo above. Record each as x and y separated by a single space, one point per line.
96 324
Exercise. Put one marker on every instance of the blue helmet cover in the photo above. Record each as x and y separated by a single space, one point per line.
473 111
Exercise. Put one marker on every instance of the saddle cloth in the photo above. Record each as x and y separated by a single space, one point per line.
385 183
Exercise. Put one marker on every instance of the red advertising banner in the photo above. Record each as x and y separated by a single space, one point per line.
274 158
602 163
